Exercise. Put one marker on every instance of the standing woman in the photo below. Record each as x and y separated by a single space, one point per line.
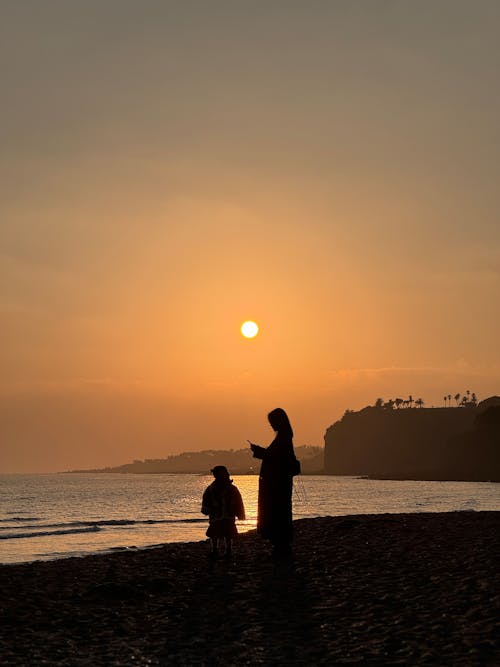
279 465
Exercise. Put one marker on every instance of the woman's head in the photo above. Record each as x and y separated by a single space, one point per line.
279 422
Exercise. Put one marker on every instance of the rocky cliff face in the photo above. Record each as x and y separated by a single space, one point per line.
415 443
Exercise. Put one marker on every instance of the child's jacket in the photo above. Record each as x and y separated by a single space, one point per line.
222 502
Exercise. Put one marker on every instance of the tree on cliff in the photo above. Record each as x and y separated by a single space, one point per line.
468 400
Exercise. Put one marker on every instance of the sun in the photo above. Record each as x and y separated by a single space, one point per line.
249 329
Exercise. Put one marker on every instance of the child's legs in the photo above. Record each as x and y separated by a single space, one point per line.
228 552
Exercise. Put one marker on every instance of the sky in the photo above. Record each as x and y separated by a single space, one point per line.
169 169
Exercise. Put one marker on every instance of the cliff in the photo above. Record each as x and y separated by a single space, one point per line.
417 443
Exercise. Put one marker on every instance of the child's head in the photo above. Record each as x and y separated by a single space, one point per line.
220 473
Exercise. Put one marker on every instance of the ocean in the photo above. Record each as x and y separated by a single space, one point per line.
44 517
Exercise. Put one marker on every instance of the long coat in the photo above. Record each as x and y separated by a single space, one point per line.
274 519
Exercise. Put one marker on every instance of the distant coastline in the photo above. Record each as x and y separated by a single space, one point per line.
239 462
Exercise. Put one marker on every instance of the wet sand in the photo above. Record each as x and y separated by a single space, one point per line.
410 589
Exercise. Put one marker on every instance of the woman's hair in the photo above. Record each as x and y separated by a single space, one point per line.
279 422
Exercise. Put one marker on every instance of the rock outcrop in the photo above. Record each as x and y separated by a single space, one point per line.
417 443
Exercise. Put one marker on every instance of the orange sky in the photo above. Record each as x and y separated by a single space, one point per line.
169 170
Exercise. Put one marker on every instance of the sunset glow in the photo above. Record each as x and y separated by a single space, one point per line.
172 169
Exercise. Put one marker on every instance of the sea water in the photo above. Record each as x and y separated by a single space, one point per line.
44 517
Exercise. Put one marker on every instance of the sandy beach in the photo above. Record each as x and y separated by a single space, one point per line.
381 589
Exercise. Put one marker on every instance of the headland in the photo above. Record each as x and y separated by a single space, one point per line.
384 442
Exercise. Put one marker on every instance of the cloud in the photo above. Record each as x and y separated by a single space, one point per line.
459 367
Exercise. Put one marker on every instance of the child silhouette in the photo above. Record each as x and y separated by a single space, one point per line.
222 503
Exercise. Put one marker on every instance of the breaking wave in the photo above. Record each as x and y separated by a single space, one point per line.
73 527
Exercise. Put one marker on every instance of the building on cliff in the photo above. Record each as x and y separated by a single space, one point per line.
417 443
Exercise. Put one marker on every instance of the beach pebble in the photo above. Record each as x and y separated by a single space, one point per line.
411 589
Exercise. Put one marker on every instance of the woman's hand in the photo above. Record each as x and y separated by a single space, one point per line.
252 445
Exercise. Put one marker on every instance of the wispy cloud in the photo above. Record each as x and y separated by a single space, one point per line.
459 367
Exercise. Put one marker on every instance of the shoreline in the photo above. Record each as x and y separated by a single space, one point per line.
381 477
379 589
116 549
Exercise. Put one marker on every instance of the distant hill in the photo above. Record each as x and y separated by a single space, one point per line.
461 443
238 462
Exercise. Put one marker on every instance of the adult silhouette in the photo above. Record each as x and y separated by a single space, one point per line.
279 465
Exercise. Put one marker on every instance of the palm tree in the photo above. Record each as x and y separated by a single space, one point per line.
398 402
420 402
457 397
445 398
449 400
410 400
